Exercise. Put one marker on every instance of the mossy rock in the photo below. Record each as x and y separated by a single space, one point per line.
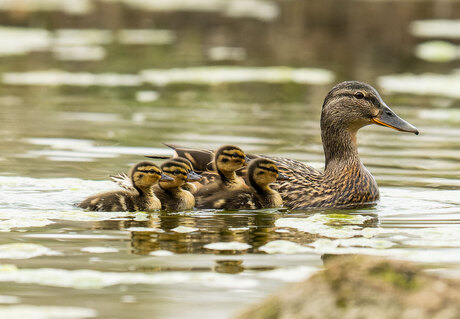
364 287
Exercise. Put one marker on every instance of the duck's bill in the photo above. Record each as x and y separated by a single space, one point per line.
389 118
282 177
165 177
192 176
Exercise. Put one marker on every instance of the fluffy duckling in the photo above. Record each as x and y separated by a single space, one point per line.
171 192
260 174
144 176
227 160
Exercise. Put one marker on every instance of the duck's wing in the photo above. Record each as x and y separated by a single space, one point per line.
200 159
302 185
123 181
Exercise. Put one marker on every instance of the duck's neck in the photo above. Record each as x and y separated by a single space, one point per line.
171 190
340 147
144 191
268 197
227 177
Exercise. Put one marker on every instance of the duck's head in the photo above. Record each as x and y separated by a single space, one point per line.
351 105
146 174
178 172
229 158
192 176
262 172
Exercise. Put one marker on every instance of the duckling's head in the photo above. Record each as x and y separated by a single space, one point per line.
146 174
351 105
179 172
229 158
261 172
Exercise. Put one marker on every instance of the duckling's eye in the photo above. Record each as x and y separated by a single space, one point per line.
235 155
176 172
359 95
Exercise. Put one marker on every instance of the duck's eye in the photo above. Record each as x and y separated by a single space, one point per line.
176 172
359 95
235 155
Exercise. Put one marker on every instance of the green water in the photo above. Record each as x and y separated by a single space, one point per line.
59 143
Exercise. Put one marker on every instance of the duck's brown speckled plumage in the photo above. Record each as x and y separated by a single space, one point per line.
345 181
140 197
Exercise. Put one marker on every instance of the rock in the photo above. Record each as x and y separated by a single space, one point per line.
362 287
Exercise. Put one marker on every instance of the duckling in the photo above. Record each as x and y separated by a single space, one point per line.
227 160
144 176
260 174
345 182
170 192
189 185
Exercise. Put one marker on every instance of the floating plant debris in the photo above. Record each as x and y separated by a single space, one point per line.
184 229
233 245
283 247
99 250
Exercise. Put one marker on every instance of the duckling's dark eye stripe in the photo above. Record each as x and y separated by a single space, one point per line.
271 169
150 171
235 155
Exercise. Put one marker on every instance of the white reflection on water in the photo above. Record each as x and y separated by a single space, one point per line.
259 9
162 77
437 51
90 279
422 84
25 251
46 312
77 150
441 28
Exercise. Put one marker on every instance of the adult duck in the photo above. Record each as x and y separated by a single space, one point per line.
345 182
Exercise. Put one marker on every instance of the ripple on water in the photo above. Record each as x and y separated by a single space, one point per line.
91 279
46 312
25 251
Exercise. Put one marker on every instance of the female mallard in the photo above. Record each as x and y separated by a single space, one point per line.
260 174
345 181
170 192
144 176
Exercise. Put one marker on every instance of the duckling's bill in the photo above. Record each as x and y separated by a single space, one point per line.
389 119
165 177
192 176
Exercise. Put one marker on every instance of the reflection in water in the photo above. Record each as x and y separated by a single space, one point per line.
257 229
